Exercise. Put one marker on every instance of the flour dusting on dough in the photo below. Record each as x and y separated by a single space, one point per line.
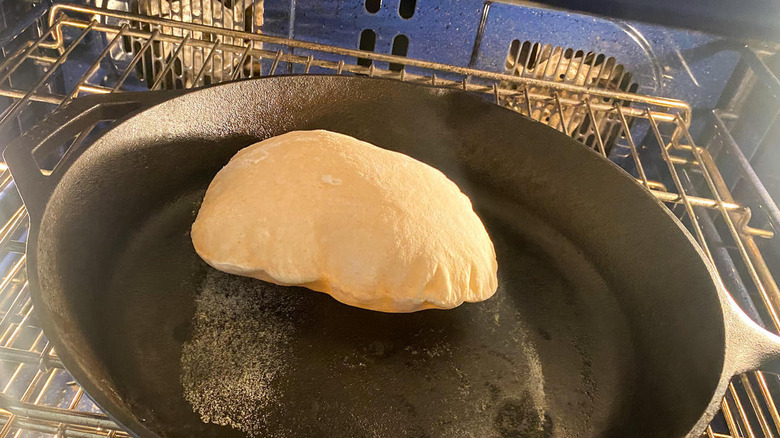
329 179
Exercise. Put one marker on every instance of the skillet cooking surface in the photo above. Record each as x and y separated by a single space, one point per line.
562 349
551 341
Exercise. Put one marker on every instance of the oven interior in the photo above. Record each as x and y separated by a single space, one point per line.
691 116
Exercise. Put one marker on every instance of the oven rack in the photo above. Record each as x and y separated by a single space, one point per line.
38 396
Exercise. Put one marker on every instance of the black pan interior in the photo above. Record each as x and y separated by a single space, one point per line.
602 299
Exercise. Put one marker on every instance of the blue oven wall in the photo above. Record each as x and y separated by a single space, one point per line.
438 31
666 62
690 66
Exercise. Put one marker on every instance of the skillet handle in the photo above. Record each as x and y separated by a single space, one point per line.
752 346
74 121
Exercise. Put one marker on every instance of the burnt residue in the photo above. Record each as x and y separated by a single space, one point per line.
587 382
519 418
494 391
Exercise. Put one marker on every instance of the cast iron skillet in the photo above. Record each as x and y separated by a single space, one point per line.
608 322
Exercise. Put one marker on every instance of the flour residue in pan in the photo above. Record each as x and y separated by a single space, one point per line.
244 351
239 347
524 415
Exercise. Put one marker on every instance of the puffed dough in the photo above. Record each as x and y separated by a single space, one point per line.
372 228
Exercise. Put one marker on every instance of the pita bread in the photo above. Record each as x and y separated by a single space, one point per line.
373 228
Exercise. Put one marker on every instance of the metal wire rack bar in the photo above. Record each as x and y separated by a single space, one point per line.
28 366
353 53
339 67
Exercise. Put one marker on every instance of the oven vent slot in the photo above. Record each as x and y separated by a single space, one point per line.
571 66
